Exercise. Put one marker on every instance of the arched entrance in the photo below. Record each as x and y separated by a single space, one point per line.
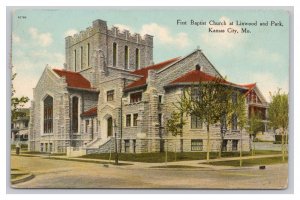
109 127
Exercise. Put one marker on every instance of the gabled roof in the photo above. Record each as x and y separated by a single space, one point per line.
253 87
90 112
249 86
194 76
74 79
197 76
144 72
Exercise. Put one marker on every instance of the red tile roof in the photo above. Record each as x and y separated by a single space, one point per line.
73 79
90 112
250 86
144 72
200 76
195 76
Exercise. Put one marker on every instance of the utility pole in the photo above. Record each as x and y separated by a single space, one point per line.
116 144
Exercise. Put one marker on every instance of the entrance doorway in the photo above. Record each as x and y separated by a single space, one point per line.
109 126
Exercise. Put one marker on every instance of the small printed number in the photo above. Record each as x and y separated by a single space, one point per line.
22 17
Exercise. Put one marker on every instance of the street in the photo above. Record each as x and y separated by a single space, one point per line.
50 173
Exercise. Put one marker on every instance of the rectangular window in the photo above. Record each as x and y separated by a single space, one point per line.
51 146
87 125
196 145
128 120
114 54
134 145
223 123
42 147
126 57
81 58
135 116
135 97
234 122
196 122
75 61
110 95
160 98
88 54
137 59
127 146
160 119
224 145
196 94
234 145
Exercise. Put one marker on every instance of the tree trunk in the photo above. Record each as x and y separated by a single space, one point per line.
241 148
208 144
282 146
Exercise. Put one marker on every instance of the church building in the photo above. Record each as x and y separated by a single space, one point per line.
110 90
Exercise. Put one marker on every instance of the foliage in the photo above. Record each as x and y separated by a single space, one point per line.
16 102
278 116
175 123
240 110
211 102
254 124
278 110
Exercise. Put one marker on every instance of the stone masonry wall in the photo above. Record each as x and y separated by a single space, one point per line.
49 84
100 37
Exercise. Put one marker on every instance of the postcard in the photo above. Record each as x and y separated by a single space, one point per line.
147 98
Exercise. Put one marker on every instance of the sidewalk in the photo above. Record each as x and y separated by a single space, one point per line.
191 164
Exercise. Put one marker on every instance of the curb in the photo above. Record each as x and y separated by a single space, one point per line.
23 179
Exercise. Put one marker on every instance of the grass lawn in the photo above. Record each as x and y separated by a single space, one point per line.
175 166
251 162
160 157
43 153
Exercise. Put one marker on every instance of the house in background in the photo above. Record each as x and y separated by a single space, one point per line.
109 88
19 127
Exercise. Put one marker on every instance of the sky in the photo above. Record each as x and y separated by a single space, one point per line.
261 56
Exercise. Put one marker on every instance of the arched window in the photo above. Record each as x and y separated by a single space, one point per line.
126 56
137 58
114 54
88 54
48 115
75 61
75 114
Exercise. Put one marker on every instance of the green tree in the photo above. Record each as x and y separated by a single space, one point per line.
209 102
16 102
175 125
278 115
254 126
239 109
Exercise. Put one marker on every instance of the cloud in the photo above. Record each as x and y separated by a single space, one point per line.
29 66
15 38
222 41
266 56
163 35
267 83
43 39
71 32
